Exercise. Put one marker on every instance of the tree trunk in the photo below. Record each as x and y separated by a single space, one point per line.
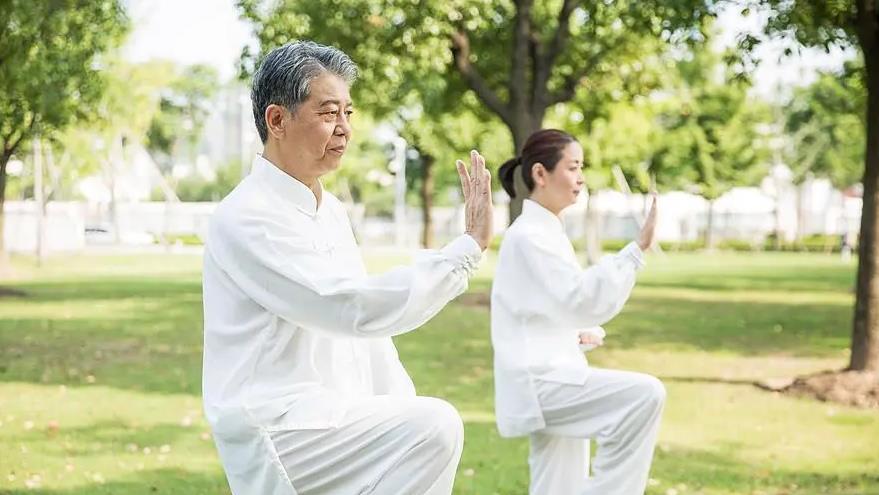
777 243
39 202
427 162
801 224
4 257
116 156
709 228
528 125
865 333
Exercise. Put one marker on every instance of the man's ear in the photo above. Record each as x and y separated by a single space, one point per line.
276 120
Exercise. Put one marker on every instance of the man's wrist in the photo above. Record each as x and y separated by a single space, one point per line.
482 245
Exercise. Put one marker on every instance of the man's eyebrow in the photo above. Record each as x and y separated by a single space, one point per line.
335 102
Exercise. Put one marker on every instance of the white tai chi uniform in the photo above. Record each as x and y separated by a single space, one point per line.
303 387
541 300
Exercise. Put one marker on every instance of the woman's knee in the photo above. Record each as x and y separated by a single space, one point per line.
653 390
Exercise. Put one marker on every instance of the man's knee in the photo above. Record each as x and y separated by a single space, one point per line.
438 423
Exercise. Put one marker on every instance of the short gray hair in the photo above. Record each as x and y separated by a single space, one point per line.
285 74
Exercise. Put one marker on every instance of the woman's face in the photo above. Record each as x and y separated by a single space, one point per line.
559 189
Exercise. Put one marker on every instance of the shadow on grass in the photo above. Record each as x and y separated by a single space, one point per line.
710 470
744 327
117 436
501 466
111 287
167 481
797 278
704 379
140 334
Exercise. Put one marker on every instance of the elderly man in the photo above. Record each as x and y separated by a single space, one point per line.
302 384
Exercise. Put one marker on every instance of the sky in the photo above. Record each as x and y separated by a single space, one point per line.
187 32
211 32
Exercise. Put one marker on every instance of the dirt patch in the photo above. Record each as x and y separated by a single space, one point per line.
475 300
7 292
851 388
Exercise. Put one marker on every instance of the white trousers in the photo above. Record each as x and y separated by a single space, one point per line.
385 445
620 410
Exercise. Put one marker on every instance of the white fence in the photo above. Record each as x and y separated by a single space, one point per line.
743 213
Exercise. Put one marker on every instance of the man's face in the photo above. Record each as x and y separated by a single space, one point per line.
317 134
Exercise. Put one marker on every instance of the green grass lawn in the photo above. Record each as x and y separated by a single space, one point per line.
100 371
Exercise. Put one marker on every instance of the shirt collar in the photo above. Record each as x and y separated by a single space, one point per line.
534 212
287 186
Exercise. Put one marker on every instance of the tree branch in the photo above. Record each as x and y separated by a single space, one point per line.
544 62
10 148
562 33
570 84
521 34
461 54
538 91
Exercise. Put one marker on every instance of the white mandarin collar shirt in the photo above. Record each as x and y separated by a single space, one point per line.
294 328
541 299
282 184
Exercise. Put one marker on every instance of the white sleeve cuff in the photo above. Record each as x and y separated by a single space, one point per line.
594 332
464 252
633 252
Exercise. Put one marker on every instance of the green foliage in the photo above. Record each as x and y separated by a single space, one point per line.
814 243
198 188
824 24
185 239
711 140
449 137
407 51
826 121
122 114
50 63
183 109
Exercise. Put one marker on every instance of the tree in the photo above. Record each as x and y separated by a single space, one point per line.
50 68
614 121
519 58
441 140
825 123
711 141
183 109
851 23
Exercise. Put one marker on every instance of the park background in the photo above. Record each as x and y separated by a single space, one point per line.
123 123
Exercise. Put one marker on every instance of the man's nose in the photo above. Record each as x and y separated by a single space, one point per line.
343 125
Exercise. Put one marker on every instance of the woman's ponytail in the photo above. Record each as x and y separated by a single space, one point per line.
507 174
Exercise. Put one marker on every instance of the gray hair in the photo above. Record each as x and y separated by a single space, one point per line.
285 74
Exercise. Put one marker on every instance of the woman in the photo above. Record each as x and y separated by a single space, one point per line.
541 299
